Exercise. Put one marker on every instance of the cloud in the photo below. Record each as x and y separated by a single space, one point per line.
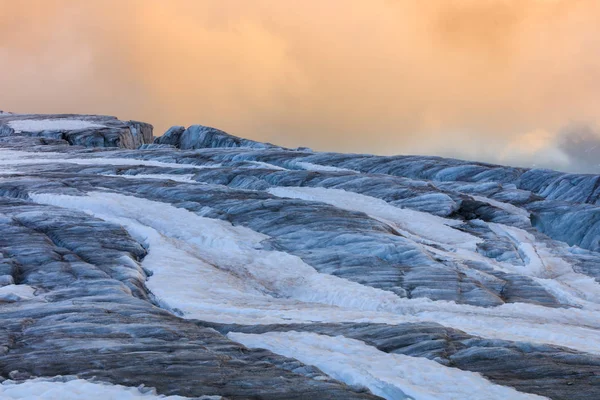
581 143
451 77
537 148
573 148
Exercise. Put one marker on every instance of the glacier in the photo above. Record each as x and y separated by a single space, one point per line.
203 265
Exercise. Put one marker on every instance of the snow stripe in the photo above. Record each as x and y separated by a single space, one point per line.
214 271
185 178
319 168
13 157
391 376
414 224
77 389
38 125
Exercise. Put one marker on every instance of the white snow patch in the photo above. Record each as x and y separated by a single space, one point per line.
15 157
414 224
503 206
38 125
213 271
552 272
9 171
77 389
320 168
391 376
262 164
16 293
210 269
185 178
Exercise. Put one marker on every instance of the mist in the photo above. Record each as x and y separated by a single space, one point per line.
492 80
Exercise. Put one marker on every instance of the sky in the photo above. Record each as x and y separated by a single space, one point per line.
504 81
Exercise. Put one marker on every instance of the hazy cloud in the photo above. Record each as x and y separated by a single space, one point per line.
538 148
478 79
581 143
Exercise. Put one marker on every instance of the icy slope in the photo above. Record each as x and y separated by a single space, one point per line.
85 130
346 276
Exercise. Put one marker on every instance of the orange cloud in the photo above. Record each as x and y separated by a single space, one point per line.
452 77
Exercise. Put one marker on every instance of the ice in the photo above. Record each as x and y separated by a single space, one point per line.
262 164
504 206
551 271
77 389
416 224
16 158
210 270
201 266
186 178
224 249
38 125
320 168
11 293
391 376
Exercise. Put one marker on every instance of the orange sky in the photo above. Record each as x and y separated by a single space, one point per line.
493 80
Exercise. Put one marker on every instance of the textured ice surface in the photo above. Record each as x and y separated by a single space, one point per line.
391 376
415 224
418 276
81 130
210 270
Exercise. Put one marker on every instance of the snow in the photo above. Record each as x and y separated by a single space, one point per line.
16 293
504 206
16 158
552 272
210 269
38 125
261 164
9 171
413 224
319 168
213 271
77 389
186 178
391 376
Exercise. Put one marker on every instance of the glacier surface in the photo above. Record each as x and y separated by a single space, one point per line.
203 264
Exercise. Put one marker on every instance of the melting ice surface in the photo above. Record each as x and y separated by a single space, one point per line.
414 223
391 376
212 270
